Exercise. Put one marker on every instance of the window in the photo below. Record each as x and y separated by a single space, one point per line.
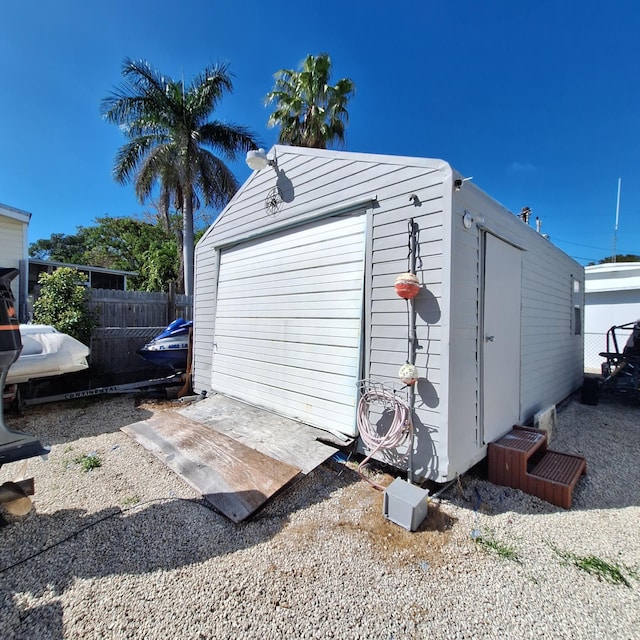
576 299
577 321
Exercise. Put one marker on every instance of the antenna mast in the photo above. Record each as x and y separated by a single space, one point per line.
615 228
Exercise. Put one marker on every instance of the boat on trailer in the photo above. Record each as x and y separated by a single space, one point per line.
46 352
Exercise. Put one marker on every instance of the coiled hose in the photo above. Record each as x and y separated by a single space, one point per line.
401 425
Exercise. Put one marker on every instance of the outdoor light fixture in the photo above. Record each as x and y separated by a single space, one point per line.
460 182
257 159
468 220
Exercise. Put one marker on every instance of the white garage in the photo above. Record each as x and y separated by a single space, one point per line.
295 308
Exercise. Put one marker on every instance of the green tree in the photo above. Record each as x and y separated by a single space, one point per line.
170 142
59 247
627 257
62 303
125 244
309 110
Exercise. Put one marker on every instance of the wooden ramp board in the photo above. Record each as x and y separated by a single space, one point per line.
281 438
236 479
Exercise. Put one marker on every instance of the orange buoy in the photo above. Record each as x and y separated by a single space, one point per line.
407 285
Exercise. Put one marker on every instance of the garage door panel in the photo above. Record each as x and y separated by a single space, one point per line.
284 251
309 409
302 354
329 327
306 381
294 330
339 365
302 281
281 265
350 231
263 334
288 322
342 302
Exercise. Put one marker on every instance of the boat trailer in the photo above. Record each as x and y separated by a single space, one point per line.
129 387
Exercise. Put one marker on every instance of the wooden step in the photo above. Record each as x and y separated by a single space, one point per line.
520 460
555 476
509 455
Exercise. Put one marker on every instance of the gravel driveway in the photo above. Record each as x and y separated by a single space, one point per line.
127 550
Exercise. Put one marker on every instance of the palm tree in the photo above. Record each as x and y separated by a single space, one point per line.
309 110
170 134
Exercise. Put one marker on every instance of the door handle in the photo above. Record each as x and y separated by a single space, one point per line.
488 338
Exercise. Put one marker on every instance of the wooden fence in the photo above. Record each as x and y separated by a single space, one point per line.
125 309
127 320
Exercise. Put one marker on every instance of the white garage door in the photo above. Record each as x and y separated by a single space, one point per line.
288 322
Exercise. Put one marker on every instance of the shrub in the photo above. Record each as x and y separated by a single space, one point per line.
62 303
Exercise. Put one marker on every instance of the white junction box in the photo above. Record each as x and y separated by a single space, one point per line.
405 504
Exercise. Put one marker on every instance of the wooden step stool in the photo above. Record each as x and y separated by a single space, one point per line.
520 459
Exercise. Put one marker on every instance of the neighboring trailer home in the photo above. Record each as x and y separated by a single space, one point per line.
295 302
612 297
14 247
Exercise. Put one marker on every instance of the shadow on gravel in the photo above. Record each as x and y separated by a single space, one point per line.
42 555
62 422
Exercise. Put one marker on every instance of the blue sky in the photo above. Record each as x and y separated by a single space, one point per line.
539 101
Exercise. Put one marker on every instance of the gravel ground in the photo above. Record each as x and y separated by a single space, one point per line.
127 550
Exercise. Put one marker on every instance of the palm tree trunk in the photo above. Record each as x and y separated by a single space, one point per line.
187 240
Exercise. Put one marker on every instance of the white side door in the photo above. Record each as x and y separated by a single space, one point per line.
501 337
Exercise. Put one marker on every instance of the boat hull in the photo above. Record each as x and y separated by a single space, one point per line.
46 352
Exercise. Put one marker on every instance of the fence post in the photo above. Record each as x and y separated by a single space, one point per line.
171 302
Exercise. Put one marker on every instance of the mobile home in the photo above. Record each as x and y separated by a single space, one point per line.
612 297
14 245
295 308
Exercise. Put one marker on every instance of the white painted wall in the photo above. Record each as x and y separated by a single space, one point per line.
14 247
612 297
550 353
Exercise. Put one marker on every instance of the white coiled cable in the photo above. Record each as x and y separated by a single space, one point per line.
401 425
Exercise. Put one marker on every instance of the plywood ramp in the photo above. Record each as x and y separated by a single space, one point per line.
235 455
281 438
236 479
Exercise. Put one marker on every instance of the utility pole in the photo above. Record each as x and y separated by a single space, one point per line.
615 228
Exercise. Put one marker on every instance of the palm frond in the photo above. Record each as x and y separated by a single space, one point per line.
168 127
216 182
229 138
308 109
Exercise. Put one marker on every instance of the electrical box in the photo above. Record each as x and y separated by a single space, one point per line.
405 504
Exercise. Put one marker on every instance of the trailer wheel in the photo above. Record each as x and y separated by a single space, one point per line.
590 391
